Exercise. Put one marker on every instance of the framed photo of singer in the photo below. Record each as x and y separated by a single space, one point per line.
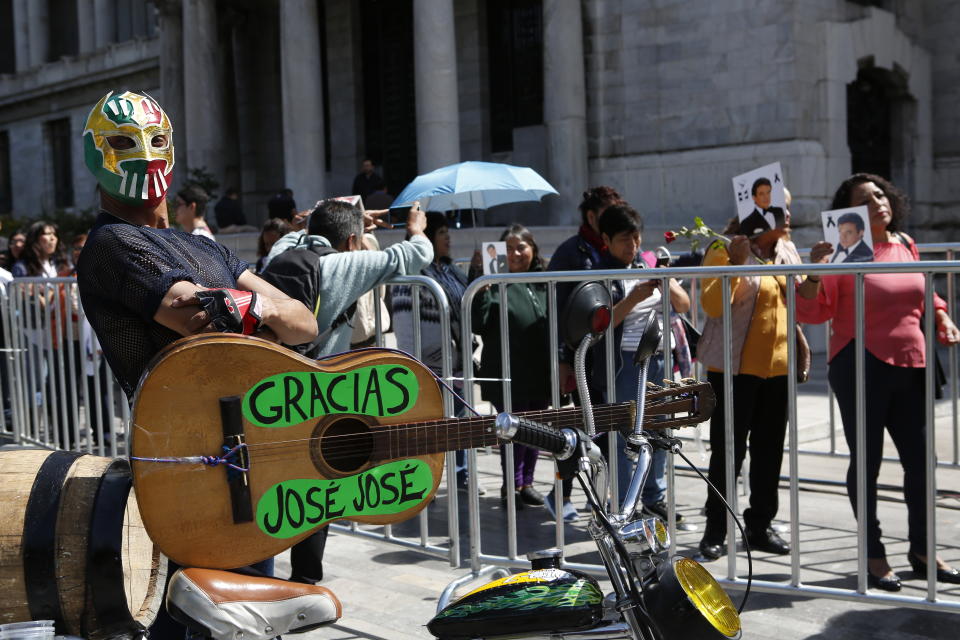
494 257
848 230
761 202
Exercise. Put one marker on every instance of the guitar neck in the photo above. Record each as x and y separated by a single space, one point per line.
452 434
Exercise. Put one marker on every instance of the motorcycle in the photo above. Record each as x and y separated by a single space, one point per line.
654 597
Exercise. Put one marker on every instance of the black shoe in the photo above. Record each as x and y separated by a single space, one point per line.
530 496
951 576
463 484
517 501
659 510
890 582
712 549
767 540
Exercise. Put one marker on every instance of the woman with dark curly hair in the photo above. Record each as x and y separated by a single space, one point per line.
894 365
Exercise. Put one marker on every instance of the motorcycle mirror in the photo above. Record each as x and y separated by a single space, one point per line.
586 312
649 338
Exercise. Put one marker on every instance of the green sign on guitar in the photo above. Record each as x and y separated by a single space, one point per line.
290 398
291 507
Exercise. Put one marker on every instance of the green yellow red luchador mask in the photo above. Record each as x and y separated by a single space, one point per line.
128 146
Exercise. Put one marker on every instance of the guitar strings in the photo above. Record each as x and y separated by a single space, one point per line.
397 440
407 447
560 418
398 443
435 433
439 431
432 435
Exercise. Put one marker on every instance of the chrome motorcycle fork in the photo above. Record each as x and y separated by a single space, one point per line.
593 468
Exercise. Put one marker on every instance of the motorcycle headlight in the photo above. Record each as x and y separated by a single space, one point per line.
686 601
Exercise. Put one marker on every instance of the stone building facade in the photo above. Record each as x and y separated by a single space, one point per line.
664 99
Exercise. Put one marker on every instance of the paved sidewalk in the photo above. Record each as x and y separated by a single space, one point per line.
391 592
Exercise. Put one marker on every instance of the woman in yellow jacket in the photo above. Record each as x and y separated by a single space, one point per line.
759 377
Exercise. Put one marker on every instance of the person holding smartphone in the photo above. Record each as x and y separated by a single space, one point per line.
621 227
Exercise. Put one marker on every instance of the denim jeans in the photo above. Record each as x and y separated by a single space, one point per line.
655 488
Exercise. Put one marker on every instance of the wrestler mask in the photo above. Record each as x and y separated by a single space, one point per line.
128 146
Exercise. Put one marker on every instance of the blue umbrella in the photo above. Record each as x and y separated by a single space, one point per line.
474 185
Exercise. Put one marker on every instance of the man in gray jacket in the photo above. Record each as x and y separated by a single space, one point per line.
335 270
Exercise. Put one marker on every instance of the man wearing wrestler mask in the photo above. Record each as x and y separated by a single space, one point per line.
144 285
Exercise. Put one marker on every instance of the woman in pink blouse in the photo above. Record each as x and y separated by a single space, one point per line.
895 361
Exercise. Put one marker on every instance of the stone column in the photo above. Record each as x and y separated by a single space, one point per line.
86 26
104 29
303 141
21 34
435 69
171 79
564 107
38 33
202 120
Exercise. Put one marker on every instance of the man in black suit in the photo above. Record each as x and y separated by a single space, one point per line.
763 218
494 264
851 247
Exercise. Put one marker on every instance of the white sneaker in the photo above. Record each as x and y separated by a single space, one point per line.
570 512
548 503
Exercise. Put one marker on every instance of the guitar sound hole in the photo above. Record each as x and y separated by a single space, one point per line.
346 445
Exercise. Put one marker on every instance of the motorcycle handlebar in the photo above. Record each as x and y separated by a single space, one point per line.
535 434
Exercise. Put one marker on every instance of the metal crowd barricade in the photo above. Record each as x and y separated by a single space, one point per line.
40 316
482 563
58 390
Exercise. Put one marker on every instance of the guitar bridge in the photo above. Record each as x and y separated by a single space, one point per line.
231 420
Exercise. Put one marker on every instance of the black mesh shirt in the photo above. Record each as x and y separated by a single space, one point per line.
123 273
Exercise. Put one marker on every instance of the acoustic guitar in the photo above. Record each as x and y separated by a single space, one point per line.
240 448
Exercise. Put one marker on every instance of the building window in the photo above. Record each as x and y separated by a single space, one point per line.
58 143
134 19
873 103
62 37
389 104
8 55
515 47
6 192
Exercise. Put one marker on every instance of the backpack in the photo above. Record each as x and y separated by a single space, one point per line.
296 272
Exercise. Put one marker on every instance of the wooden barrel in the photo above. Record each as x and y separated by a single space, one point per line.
73 548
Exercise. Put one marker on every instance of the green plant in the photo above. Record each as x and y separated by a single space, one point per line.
69 224
202 178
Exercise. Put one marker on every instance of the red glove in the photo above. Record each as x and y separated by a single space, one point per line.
232 310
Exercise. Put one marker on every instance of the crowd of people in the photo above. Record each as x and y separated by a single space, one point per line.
143 285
